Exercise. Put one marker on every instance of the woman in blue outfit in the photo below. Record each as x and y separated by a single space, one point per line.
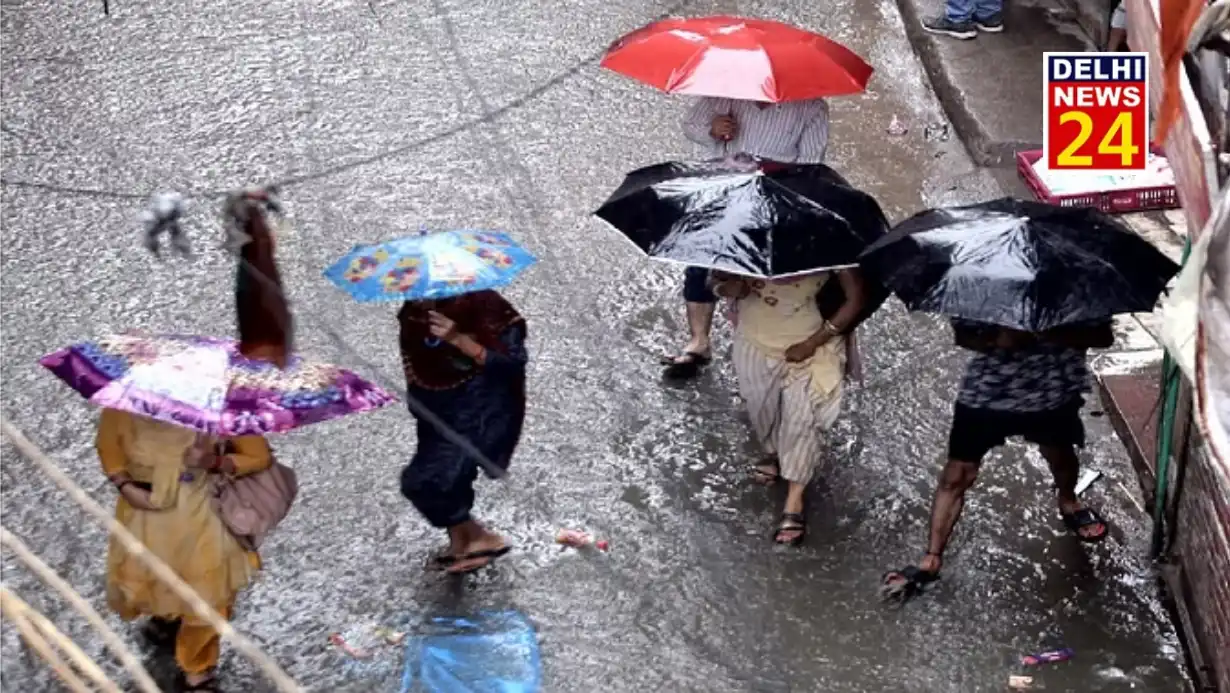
464 359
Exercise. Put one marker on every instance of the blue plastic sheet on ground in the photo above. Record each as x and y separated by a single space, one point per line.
488 652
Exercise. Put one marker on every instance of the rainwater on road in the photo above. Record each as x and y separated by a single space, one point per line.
382 117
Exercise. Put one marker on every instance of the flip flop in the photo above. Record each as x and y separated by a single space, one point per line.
487 557
910 584
442 557
686 366
445 560
1085 517
758 475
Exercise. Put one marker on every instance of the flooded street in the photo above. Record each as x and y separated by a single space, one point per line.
378 118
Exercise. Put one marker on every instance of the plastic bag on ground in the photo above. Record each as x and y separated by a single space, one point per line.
489 652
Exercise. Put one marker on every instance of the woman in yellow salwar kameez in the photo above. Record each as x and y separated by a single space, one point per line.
161 472
791 366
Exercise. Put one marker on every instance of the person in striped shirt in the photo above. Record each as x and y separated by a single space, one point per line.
790 132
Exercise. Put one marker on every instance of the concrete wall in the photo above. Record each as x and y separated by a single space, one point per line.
1093 16
1201 550
1196 564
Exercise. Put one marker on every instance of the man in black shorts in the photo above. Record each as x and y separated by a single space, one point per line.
1017 384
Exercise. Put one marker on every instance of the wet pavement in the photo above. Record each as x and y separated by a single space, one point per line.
382 117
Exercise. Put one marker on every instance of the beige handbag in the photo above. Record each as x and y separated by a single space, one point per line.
252 505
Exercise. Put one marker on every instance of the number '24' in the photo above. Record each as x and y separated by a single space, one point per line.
1121 129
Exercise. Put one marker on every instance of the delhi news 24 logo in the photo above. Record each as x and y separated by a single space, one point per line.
1097 111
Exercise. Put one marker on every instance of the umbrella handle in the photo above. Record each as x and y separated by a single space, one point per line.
730 113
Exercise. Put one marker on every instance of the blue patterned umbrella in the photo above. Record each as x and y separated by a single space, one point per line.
430 265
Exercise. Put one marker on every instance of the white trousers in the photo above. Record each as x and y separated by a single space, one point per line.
788 415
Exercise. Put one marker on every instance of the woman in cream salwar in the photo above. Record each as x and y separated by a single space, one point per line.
791 365
162 475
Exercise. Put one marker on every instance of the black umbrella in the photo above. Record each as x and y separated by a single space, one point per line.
734 216
830 190
1024 265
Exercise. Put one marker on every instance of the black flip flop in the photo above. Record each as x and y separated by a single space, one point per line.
686 366
441 557
1085 517
915 579
444 560
791 522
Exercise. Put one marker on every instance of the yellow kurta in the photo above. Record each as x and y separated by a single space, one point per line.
185 533
777 316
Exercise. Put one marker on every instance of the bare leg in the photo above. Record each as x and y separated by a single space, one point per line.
956 478
1065 468
1116 40
458 537
698 352
700 324
701 304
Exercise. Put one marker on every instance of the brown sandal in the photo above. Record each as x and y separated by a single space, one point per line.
759 473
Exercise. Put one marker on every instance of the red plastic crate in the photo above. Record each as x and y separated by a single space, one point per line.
1118 201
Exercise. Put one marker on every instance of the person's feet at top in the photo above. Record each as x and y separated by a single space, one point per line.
963 19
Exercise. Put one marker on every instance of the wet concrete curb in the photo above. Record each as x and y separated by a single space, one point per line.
983 148
1128 376
1130 401
1093 16
991 86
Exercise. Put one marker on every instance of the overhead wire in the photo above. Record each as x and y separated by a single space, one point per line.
109 637
489 114
159 569
35 632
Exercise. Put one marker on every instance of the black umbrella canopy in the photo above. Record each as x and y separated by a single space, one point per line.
1023 265
829 189
733 216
